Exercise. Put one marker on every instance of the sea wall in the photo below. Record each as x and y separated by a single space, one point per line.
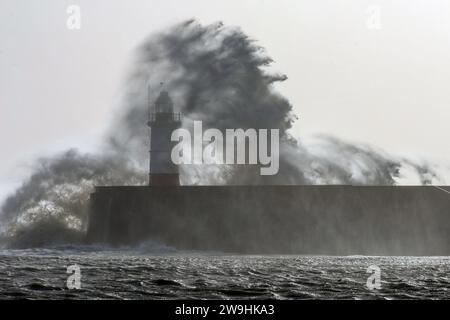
335 220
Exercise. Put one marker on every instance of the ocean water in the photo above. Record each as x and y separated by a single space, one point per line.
168 274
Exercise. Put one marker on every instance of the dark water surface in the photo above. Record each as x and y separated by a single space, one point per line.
131 274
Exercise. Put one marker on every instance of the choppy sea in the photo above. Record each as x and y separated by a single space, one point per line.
169 274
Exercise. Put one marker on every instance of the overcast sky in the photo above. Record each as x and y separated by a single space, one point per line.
381 81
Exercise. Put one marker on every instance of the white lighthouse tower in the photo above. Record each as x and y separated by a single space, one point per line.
162 122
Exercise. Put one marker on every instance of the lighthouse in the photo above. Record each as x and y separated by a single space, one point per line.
162 122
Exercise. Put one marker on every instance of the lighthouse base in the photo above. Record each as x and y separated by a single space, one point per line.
164 179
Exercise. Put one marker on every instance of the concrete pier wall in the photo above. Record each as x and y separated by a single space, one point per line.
335 220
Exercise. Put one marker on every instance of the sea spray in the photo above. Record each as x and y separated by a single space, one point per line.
218 75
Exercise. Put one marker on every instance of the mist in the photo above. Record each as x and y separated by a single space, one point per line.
215 74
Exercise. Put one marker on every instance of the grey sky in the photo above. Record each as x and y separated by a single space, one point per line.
387 87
